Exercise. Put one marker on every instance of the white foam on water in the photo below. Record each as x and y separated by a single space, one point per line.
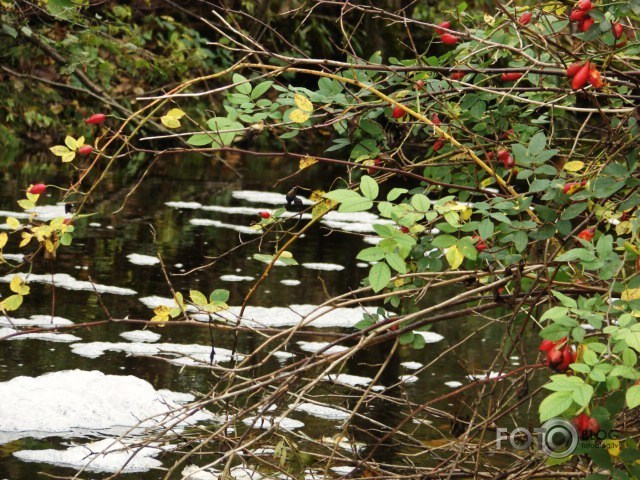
267 422
14 257
95 224
73 403
323 266
327 413
46 336
283 355
408 378
272 198
138 259
430 337
40 321
314 347
362 265
141 336
62 280
107 455
184 205
236 278
290 282
348 379
412 365
275 317
205 222
348 226
453 384
176 353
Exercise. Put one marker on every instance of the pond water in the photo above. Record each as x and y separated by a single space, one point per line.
189 210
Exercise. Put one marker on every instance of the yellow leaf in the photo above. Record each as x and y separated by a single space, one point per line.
286 254
317 196
454 257
170 122
3 239
466 214
49 245
70 142
59 150
13 223
623 228
303 102
68 157
25 204
307 161
630 294
574 166
26 238
612 446
175 113
321 208
14 286
489 20
298 116
79 142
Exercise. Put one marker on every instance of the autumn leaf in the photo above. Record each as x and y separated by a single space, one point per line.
574 166
307 161
454 257
172 118
13 223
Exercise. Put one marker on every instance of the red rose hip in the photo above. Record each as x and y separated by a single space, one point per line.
38 188
449 39
96 119
85 150
264 214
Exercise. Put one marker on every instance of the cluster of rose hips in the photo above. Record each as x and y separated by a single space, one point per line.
439 143
586 426
581 15
480 245
446 38
583 72
504 157
559 354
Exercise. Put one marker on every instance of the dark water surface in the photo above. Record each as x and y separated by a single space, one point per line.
100 253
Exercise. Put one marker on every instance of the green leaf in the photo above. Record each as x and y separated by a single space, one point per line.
199 140
633 396
261 89
369 187
357 205
342 195
468 248
244 87
582 395
420 202
406 338
565 300
577 254
537 144
444 241
198 298
371 254
555 405
379 276
396 262
219 295
395 193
